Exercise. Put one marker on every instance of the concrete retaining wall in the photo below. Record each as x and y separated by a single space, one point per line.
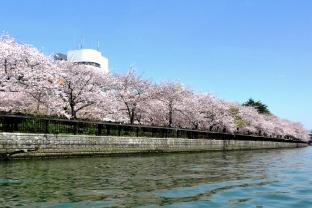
21 145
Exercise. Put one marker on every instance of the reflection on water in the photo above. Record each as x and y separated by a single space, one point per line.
265 178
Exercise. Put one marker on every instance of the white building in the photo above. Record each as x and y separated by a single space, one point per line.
89 57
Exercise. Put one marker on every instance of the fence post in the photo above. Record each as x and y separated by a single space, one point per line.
46 126
107 130
99 128
5 124
10 125
75 128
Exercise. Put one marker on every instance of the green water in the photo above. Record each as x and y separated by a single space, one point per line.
265 178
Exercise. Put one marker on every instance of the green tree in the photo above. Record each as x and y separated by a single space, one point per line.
258 105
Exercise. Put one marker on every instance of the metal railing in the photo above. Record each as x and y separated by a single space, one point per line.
29 124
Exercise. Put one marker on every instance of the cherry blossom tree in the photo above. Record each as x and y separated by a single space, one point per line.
21 65
154 113
31 82
107 107
78 87
190 112
217 114
13 102
24 70
132 92
171 95
205 112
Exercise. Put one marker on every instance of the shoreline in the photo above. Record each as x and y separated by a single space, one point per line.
30 146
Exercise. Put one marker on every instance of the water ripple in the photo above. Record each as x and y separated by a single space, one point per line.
264 178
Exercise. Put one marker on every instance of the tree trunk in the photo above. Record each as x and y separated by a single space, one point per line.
38 103
170 114
72 111
5 66
132 116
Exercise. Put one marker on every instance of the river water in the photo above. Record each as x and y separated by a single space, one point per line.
263 178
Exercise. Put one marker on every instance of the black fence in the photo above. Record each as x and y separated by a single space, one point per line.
28 124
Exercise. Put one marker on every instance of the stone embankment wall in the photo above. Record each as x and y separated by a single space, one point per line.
22 145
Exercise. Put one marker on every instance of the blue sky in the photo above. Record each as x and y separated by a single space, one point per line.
235 49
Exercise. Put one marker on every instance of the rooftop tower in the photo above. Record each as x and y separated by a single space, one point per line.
88 57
